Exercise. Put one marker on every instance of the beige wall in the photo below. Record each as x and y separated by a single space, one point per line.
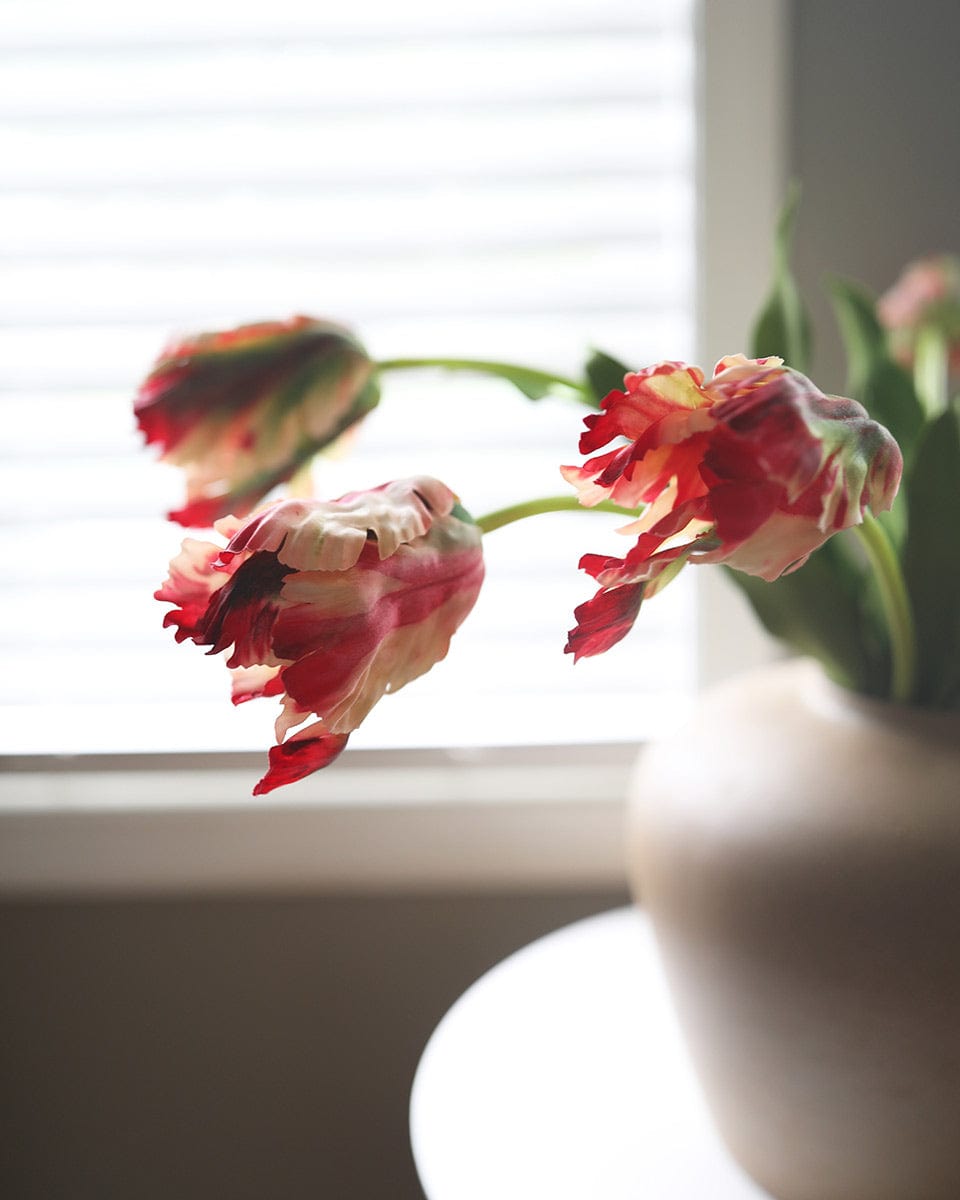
235 1048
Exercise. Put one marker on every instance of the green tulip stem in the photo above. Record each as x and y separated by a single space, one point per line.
930 369
546 504
523 377
880 553
896 607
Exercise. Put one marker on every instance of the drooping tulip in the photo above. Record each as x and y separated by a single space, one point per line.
242 410
329 605
754 468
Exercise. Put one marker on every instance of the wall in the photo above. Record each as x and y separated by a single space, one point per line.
873 143
246 1048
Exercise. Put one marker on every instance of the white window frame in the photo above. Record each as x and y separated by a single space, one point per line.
415 820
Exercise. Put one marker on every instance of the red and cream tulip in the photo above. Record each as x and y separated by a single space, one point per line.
329 605
755 468
242 410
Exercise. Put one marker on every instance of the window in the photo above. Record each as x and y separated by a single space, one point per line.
493 179
169 168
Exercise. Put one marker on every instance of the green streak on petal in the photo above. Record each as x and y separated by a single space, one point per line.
461 514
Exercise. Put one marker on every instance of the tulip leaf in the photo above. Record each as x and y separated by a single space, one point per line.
823 610
532 382
881 385
535 385
930 560
783 328
604 374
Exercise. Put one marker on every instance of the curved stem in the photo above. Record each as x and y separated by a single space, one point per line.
545 504
530 380
896 607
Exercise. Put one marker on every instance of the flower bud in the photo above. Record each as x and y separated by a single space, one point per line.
240 411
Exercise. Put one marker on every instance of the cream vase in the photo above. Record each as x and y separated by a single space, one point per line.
798 849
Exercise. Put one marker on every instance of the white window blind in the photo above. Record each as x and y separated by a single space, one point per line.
510 180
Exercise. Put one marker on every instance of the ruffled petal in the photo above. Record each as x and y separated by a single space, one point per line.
193 580
782 544
301 755
343 659
244 611
253 683
650 395
603 620
313 535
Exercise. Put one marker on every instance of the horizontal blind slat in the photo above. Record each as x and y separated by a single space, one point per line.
115 355
343 223
109 26
509 180
563 279
298 77
386 147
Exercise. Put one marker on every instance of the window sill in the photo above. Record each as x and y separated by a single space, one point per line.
408 820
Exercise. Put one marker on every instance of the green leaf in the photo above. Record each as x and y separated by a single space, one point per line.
604 374
783 328
533 384
823 610
881 385
931 560
862 333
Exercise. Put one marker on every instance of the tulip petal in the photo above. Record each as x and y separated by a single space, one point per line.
300 755
252 683
342 663
312 535
193 580
603 620
650 395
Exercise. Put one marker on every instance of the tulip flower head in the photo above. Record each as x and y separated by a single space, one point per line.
926 296
755 468
329 605
242 410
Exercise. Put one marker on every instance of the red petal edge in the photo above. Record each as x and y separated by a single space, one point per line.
301 755
604 620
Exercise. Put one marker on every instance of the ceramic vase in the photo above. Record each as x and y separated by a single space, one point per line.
798 849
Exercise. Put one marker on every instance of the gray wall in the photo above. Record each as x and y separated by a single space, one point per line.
874 143
257 1048
260 1047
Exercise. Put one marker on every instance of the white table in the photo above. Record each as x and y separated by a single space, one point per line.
560 1075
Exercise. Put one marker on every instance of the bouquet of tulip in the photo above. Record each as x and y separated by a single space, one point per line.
329 604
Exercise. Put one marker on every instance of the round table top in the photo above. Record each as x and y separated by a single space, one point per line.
561 1074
